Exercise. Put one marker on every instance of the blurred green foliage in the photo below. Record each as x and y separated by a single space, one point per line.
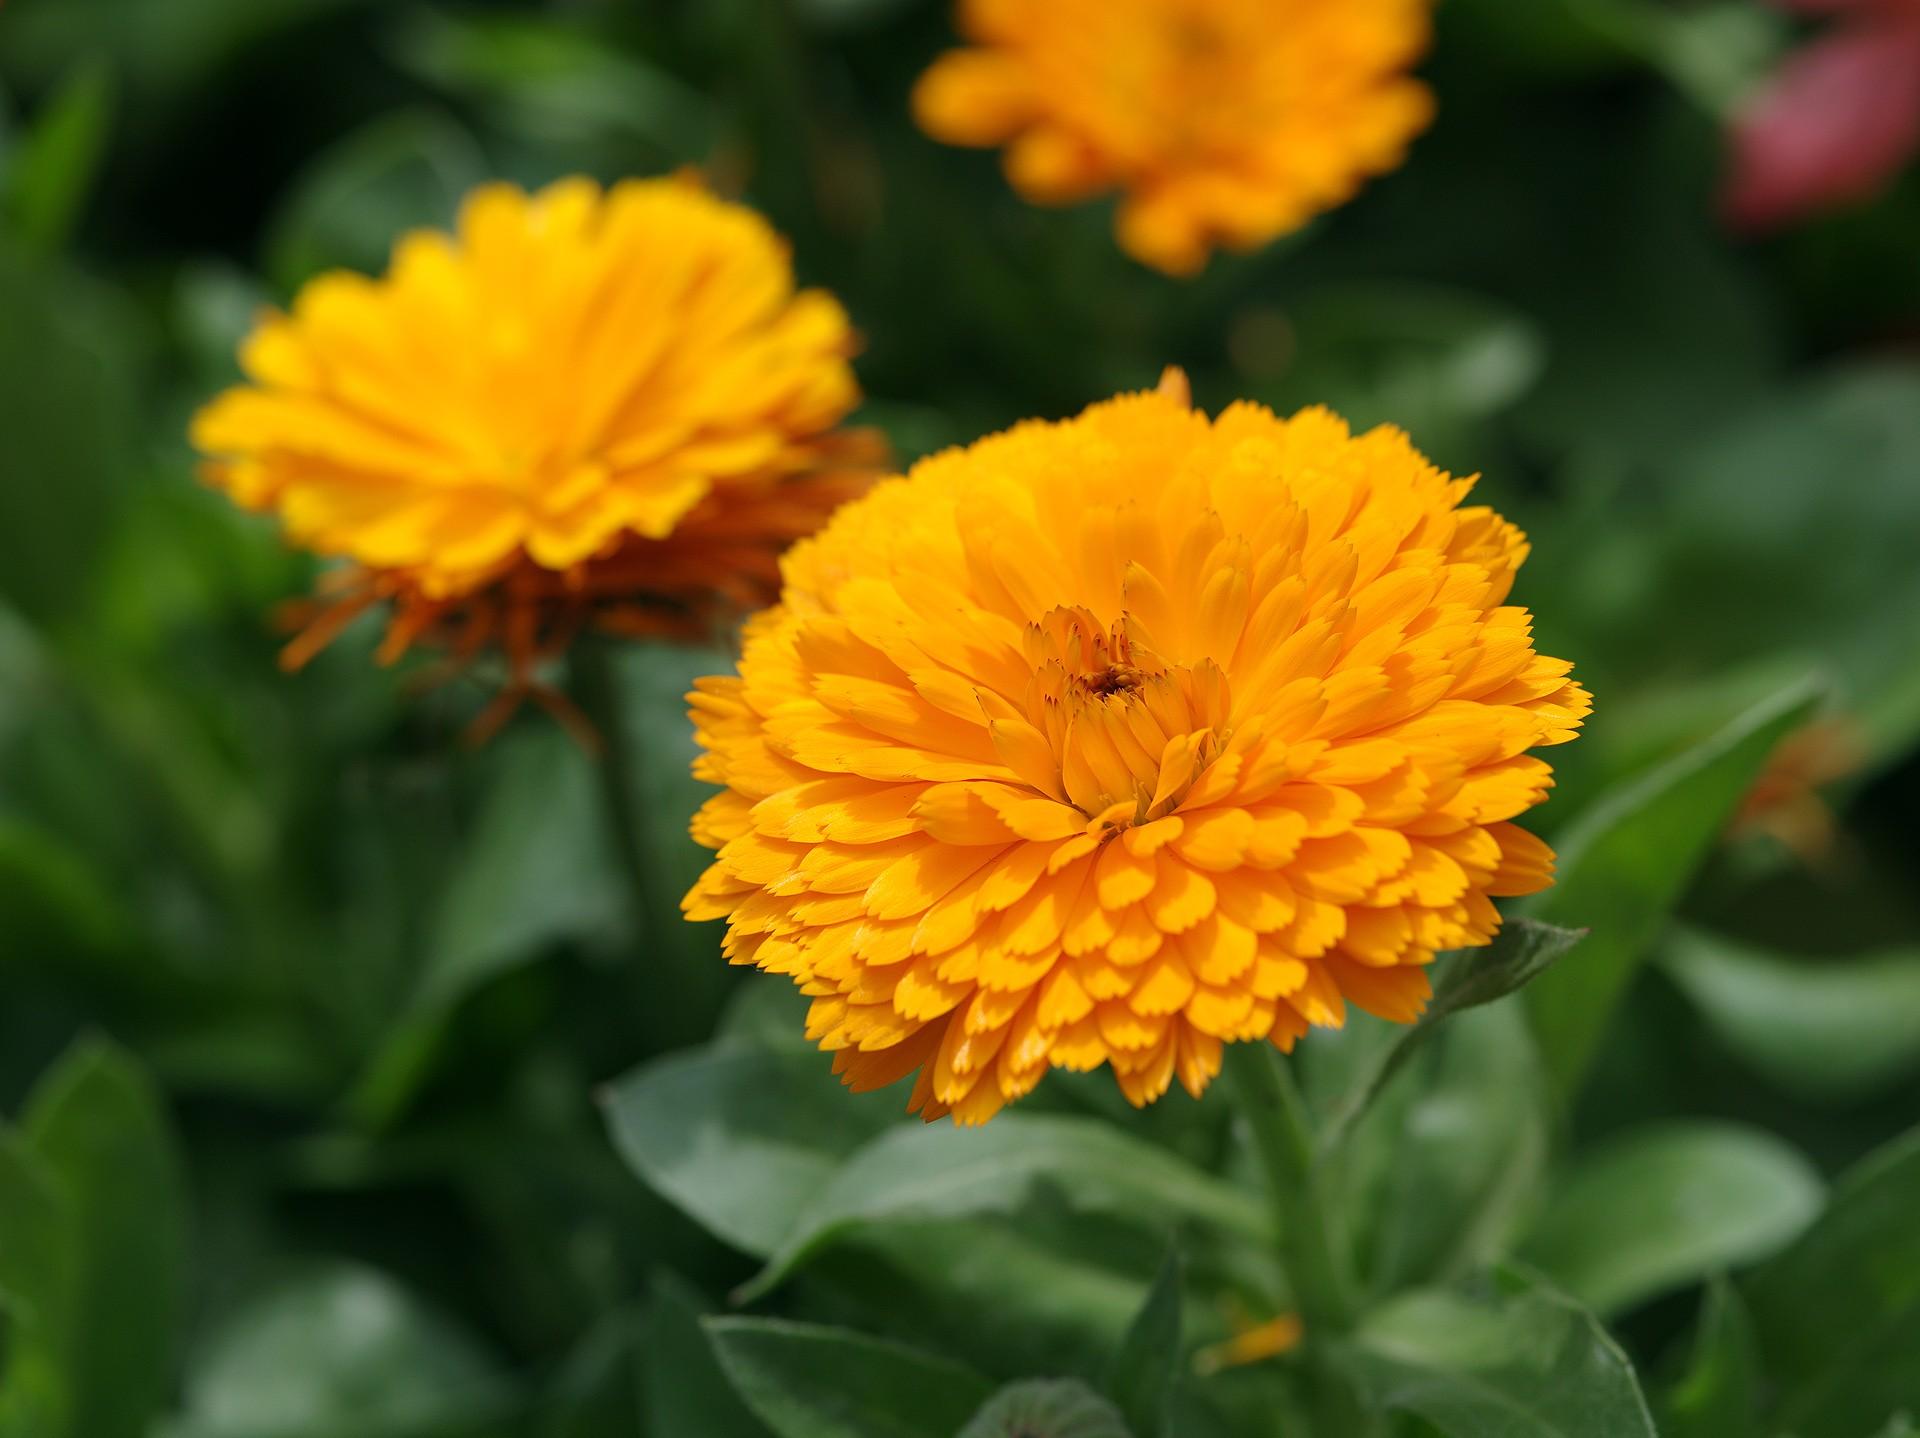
420 1118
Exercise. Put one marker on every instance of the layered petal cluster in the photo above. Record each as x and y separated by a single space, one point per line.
1116 740
1222 122
584 408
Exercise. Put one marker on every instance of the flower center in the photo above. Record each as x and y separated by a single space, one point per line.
1127 733
1114 679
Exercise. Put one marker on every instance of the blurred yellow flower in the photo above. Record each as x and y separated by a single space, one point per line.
585 409
1251 1343
1118 739
1224 122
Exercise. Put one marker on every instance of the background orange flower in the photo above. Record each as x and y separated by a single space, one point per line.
1223 122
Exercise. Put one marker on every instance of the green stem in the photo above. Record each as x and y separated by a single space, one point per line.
1316 1268
1283 1140
596 689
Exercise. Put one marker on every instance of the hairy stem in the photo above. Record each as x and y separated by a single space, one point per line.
1316 1267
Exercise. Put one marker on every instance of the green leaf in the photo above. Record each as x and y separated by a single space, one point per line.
558 80
1832 1030
533 872
1142 1374
1522 951
1507 1358
1718 1395
944 1172
741 1140
683 1388
403 171
67 368
1519 954
766 1012
1628 862
35 1272
536 871
1049 1408
38 1263
50 170
806 1381
341 1352
1838 1313
1667 1205
1063 1287
1444 1171
97 1129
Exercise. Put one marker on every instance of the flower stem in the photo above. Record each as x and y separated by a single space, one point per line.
595 687
1316 1267
1283 1140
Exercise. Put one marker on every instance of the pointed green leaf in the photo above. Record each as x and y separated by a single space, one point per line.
96 1125
1468 978
740 1140
1719 1394
805 1381
39 1262
1143 1370
1667 1205
1629 861
1838 1313
1062 1286
36 1260
52 168
1833 1030
1456 1152
533 871
1505 1358
683 1389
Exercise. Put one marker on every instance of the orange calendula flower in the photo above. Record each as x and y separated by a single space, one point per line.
1116 740
1224 122
584 409
1252 1343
